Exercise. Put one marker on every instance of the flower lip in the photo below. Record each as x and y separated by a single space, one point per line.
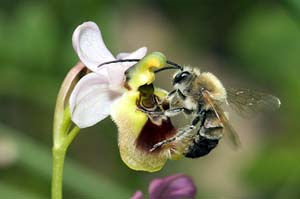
153 133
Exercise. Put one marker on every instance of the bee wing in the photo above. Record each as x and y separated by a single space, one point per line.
246 102
230 133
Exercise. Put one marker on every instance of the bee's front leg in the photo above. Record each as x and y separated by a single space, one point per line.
171 95
169 113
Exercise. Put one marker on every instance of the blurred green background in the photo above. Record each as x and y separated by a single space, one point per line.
249 43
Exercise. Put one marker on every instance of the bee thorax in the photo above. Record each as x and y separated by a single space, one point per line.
211 83
191 103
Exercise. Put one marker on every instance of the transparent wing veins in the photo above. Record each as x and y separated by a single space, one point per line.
246 102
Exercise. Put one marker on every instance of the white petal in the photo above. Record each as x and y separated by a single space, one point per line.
122 55
88 44
91 100
84 85
116 71
116 74
138 54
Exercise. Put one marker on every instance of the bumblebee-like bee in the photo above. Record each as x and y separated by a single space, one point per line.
147 137
202 96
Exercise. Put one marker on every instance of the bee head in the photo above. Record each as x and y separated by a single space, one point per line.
183 77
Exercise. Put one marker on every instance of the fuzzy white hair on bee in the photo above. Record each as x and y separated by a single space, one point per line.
190 78
202 96
147 140
213 85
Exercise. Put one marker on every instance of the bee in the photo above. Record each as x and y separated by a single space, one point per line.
203 97
147 136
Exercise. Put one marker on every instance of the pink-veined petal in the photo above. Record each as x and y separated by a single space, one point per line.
89 45
91 100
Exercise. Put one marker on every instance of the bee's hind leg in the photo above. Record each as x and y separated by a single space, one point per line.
175 111
182 133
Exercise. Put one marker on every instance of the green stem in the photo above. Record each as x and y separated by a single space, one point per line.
57 172
59 153
61 143
70 137
61 125
66 123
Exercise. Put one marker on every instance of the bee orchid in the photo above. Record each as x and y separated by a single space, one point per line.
139 131
105 91
94 95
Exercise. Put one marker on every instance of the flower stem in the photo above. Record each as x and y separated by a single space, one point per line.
57 172
70 137
59 149
62 137
58 155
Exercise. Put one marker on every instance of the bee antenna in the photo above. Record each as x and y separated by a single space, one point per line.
173 64
166 68
118 61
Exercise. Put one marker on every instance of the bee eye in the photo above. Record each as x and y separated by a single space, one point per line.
179 78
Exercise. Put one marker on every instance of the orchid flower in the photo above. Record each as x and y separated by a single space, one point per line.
170 187
94 94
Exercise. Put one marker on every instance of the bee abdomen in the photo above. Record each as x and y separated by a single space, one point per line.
202 147
207 137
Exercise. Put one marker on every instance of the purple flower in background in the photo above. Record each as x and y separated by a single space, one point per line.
171 187
137 195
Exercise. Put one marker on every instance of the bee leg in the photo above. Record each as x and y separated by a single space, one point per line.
181 95
169 113
181 133
159 144
175 111
198 119
172 139
177 92
151 113
174 93
171 94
